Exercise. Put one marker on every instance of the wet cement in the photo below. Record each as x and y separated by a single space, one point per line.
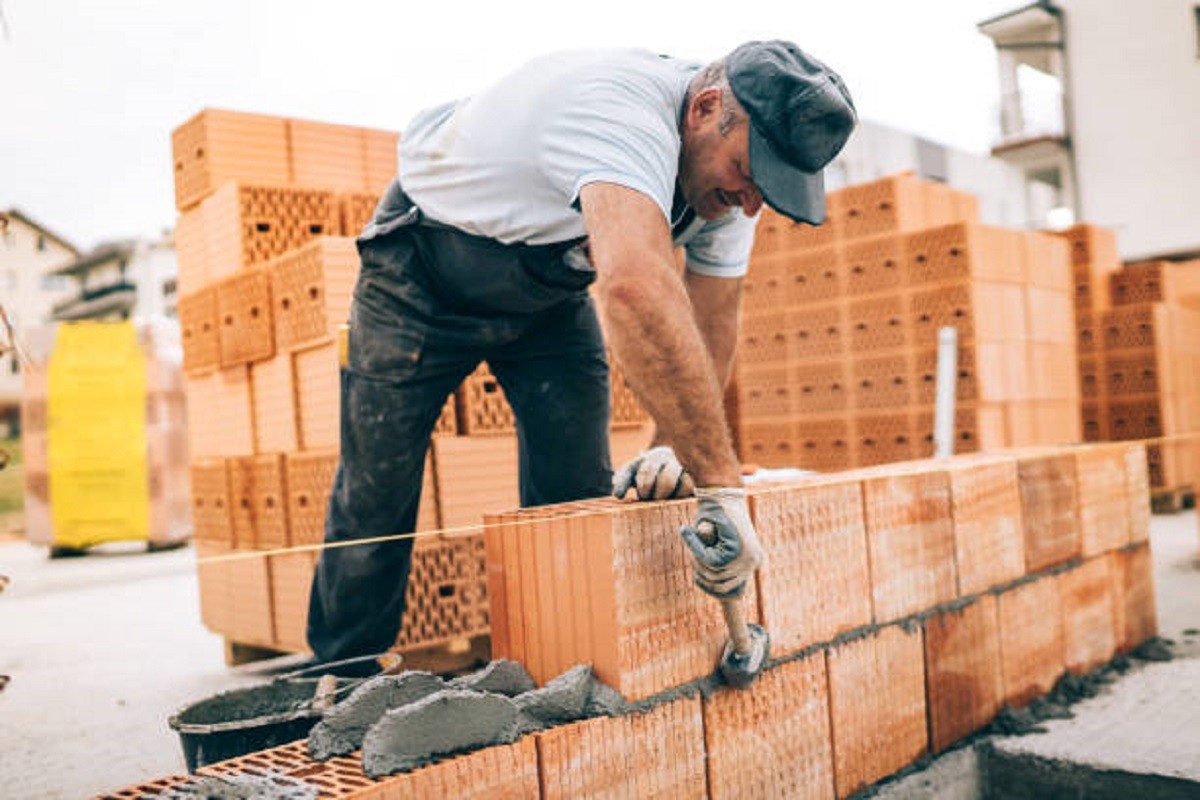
242 787
447 722
501 676
563 699
344 726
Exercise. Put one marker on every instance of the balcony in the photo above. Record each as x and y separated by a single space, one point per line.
104 302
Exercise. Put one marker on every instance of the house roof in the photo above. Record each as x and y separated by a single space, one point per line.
109 251
18 214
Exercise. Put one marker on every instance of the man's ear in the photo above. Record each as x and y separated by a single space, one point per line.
705 104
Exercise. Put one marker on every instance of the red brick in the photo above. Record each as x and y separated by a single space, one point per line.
311 289
211 500
772 740
1136 617
877 706
269 501
1103 505
1137 492
816 582
647 628
474 475
235 594
318 397
308 478
241 502
1031 639
198 329
668 751
246 331
988 540
1089 618
962 667
216 146
910 538
590 758
219 413
1049 501
291 581
273 383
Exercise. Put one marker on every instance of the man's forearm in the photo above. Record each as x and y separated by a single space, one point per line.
666 361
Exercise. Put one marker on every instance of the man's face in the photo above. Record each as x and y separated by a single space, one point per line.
714 169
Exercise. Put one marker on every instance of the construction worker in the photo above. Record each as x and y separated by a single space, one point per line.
579 168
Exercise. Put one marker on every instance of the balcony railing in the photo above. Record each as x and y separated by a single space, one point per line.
1031 114
114 295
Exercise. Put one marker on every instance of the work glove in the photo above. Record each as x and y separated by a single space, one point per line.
723 542
656 474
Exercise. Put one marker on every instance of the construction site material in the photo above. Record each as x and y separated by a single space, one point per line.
444 723
342 728
500 676
103 441
243 787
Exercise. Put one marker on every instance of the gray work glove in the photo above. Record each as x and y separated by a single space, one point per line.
656 474
723 542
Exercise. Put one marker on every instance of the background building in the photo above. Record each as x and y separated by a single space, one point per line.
120 280
30 255
1100 110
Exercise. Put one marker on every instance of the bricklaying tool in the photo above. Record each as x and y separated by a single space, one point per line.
746 652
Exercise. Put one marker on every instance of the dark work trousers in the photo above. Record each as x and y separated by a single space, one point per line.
430 304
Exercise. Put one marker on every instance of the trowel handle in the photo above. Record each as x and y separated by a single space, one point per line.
739 634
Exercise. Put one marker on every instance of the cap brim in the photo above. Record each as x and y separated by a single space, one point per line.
790 191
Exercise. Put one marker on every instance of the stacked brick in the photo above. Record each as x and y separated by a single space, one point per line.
907 604
1139 351
267 266
837 363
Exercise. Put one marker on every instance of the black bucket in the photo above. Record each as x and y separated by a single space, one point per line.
243 721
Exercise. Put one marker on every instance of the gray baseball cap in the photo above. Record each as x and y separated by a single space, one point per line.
801 115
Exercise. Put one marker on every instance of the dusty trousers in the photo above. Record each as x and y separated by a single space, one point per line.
430 303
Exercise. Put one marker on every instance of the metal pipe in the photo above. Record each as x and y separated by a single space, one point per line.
943 412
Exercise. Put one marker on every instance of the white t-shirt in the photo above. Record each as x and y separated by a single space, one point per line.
509 163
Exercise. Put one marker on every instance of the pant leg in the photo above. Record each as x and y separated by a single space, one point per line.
393 390
555 376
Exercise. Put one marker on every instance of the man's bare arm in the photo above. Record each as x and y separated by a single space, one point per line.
650 324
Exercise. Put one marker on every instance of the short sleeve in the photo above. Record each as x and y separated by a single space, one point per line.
721 248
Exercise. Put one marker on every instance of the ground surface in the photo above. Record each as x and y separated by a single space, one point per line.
102 649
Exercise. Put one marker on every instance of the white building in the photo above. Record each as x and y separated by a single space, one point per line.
1100 110
121 280
30 254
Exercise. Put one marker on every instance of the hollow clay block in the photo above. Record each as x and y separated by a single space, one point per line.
243 787
501 676
447 722
343 727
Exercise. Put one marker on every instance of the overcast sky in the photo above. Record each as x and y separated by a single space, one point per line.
93 88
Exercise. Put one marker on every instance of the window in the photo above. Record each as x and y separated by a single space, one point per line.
55 283
14 366
1196 19
41 242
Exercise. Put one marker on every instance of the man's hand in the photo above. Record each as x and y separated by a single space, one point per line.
656 474
723 542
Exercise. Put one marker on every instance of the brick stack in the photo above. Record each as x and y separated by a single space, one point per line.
836 366
266 271
906 604
267 267
1139 351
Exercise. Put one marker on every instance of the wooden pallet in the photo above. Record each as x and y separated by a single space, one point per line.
1172 501
451 657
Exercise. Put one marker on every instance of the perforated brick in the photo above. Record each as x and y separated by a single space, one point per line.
1091 244
962 666
1089 618
326 155
873 738
270 500
1137 492
659 753
894 204
355 210
979 311
627 411
1048 262
312 287
767 391
879 323
874 265
241 501
818 386
291 583
966 381
765 284
824 444
1049 315
768 443
977 426
772 740
308 479
273 383
318 397
483 408
989 543
1103 505
818 332
210 501
910 537
245 329
1094 420
1049 504
884 438
148 789
965 252
812 276
1132 372
815 584
216 146
600 583
763 340
1136 618
447 591
198 328
1134 326
235 595
219 413
474 474
1031 639
883 382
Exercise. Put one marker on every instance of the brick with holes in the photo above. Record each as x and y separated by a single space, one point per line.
1088 613
962 666
1032 654
311 289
